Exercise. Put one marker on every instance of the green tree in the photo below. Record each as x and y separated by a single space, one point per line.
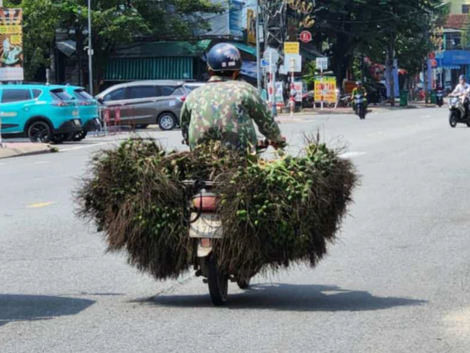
373 28
310 73
113 22
123 21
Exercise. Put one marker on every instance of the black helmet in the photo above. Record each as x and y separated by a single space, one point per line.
224 57
358 83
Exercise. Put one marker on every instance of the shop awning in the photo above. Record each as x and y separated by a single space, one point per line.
249 69
163 49
246 48
162 68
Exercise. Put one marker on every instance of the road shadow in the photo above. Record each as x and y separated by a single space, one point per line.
291 297
16 307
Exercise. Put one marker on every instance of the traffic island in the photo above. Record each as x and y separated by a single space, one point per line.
17 149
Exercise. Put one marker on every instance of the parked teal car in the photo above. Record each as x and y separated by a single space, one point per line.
89 111
40 112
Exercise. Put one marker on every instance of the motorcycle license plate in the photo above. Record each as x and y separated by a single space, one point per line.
207 226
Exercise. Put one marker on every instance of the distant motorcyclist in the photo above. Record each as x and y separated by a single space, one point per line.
359 89
462 90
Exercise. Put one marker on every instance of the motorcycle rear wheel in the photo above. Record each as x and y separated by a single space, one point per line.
218 283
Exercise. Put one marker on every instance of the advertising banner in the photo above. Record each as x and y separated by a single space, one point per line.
279 93
235 18
299 88
11 45
251 26
325 88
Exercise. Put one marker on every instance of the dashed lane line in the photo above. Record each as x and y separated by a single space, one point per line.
83 147
40 205
352 154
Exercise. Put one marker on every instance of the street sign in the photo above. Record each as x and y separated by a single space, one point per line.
283 70
293 62
305 36
271 55
433 62
432 55
440 55
322 64
291 47
325 89
264 63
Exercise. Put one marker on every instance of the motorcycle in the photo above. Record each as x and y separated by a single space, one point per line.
205 228
457 112
439 98
360 106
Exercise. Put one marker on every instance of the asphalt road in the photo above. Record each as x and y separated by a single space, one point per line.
396 281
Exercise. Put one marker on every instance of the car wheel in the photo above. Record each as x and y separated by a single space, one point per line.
40 131
59 138
167 121
79 136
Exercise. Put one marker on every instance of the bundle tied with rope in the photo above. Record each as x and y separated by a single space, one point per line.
274 212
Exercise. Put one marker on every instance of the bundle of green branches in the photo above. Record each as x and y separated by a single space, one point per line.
273 212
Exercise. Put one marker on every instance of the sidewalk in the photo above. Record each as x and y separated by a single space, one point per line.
342 111
16 149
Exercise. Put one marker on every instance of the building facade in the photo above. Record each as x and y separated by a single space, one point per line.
459 7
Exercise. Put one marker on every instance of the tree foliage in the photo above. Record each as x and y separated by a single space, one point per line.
113 22
354 27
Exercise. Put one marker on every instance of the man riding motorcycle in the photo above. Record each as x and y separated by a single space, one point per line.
359 89
224 109
462 90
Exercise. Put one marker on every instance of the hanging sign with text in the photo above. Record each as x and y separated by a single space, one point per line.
11 45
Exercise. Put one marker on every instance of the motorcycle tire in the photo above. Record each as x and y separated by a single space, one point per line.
243 284
217 282
453 120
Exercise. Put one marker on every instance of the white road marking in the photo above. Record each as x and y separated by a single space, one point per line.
82 147
42 162
352 154
3 164
40 205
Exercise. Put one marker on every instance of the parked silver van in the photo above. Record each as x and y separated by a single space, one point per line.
142 103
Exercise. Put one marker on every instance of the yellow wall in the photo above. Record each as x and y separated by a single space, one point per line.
456 6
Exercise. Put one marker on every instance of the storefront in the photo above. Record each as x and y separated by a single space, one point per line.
454 63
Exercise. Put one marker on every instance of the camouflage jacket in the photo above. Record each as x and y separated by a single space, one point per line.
224 110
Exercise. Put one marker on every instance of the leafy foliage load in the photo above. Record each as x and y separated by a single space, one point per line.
273 212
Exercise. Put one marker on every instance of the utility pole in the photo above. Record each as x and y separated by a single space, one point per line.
274 16
90 52
258 48
391 57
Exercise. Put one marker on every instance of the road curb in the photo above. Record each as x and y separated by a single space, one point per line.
10 150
